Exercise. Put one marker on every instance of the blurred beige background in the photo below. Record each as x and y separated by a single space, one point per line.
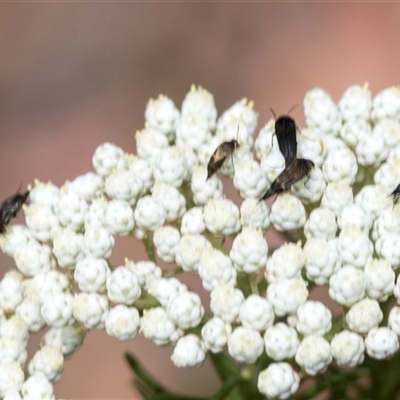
74 75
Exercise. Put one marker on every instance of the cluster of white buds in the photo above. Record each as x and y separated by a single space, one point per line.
348 232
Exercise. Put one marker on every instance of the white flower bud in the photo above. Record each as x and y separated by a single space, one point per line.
162 114
98 242
185 310
386 104
49 361
205 189
287 213
221 217
46 283
142 169
381 343
396 290
314 354
286 262
71 209
364 315
216 269
95 213
192 131
215 333
123 322
91 274
353 216
355 130
386 223
107 158
226 302
310 189
171 199
263 143
337 196
188 352
394 320
166 240
390 130
164 289
118 217
11 377
313 318
123 286
150 143
380 279
372 150
41 221
67 247
144 271
278 381
14 327
321 112
281 341
249 180
249 251
123 185
388 248
15 236
149 213
256 313
189 251
347 286
245 345
193 222
287 295
254 213
12 350
171 166
372 199
311 146
356 103
274 163
89 186
44 194
158 327
56 309
34 258
348 348
11 291
340 165
332 143
69 338
37 386
321 223
91 309
29 312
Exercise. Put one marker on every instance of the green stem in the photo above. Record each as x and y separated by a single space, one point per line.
253 283
216 242
145 302
148 245
174 272
186 194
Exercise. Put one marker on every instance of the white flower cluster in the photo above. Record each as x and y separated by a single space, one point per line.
351 244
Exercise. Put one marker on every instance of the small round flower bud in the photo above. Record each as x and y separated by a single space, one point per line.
313 318
185 310
71 209
245 345
56 309
122 322
388 248
340 165
356 103
264 141
249 180
205 189
107 158
274 163
249 251
95 213
226 302
381 343
387 176
189 251
14 327
281 341
332 143
12 350
118 217
287 213
89 186
145 271
166 240
278 381
98 242
337 196
91 274
221 217
321 112
321 260
158 327
49 361
41 221
142 169
287 295
37 386
162 114
286 262
34 258
44 194
321 223
347 285
216 269
123 185
192 131
394 320
171 167
215 333
256 313
69 338
311 146
310 189
314 354
171 199
149 213
67 247
386 104
348 348
150 143
355 130
193 222
354 216
380 279
372 150
188 352
164 289
46 283
29 312
390 130
123 286
11 291
15 236
91 309
387 222
254 213
11 377
372 199
364 315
